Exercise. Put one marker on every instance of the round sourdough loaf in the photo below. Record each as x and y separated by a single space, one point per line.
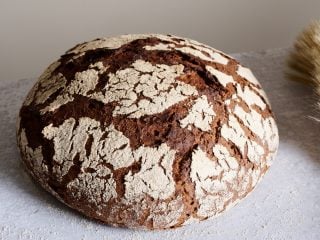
147 131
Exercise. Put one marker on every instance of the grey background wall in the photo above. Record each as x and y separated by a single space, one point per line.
35 32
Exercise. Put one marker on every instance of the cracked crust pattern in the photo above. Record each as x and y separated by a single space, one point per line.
200 115
154 85
147 131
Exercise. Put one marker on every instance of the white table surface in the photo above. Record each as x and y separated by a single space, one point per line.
285 205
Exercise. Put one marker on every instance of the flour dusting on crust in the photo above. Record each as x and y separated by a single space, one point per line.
201 115
155 85
155 175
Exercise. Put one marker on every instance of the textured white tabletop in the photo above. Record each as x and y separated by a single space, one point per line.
285 205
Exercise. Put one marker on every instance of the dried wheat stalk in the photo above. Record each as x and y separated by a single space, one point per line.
304 60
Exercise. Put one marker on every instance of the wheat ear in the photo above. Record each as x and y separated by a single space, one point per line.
304 59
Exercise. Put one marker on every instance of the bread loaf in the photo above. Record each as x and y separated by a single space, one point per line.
147 131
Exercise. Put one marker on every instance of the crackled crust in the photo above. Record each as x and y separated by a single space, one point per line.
147 131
